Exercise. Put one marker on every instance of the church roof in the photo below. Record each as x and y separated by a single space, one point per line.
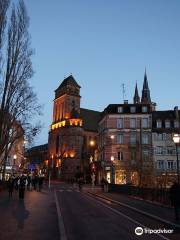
68 81
90 119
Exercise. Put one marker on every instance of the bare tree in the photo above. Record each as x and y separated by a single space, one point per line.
18 102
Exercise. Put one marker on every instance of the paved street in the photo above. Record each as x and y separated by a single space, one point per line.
65 213
34 218
87 217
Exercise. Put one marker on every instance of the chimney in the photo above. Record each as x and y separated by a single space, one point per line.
176 112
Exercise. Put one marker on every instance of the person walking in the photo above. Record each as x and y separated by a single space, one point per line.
40 183
22 185
175 199
10 186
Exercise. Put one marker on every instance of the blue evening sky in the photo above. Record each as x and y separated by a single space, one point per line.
105 43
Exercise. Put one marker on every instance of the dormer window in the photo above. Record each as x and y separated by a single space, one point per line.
167 124
133 109
159 124
176 124
144 109
120 109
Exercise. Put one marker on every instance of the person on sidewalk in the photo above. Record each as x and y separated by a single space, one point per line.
22 185
175 199
40 183
10 186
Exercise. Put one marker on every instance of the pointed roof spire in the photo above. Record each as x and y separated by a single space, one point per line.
145 92
136 95
145 84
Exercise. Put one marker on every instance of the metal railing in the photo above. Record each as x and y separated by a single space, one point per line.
159 195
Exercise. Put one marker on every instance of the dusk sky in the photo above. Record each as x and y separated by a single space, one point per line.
105 43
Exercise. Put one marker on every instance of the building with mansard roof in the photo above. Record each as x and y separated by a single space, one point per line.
125 140
136 142
164 125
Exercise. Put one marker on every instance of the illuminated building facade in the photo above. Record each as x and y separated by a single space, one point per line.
125 144
70 131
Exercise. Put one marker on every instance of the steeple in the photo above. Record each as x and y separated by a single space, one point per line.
145 92
136 95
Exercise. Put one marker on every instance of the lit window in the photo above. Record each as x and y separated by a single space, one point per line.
144 109
144 122
120 123
132 109
120 109
132 123
159 124
167 124
120 138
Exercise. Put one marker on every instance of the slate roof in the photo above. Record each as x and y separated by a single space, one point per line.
113 108
163 116
68 81
90 119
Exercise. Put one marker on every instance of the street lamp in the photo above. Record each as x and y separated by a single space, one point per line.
113 169
92 143
176 140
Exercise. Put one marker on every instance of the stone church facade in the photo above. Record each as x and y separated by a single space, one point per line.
71 131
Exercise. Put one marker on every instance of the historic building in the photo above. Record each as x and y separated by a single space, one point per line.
125 145
71 131
14 156
164 125
37 159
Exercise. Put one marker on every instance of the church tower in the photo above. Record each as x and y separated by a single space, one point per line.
66 133
136 95
145 92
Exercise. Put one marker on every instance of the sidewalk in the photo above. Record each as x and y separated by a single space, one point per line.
165 213
34 218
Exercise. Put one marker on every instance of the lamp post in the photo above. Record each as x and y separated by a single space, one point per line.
113 169
92 144
14 163
176 140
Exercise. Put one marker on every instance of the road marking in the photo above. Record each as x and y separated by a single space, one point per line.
125 216
62 232
138 210
61 190
69 190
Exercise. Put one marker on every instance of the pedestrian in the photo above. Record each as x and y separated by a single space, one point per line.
22 185
29 183
16 181
40 182
10 186
80 182
175 199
